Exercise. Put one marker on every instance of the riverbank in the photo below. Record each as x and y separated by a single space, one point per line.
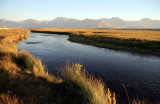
24 79
140 41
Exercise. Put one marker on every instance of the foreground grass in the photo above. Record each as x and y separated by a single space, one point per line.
84 86
145 41
23 79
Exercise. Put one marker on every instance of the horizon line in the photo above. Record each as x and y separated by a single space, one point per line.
77 19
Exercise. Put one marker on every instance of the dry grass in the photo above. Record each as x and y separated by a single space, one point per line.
141 41
13 34
79 82
122 34
20 71
25 76
7 99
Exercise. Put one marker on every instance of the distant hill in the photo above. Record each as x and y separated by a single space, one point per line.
62 22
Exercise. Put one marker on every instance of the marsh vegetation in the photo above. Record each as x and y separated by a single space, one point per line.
24 79
144 41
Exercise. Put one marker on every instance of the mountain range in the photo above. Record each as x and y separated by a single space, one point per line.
63 22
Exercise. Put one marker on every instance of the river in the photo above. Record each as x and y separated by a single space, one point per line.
138 72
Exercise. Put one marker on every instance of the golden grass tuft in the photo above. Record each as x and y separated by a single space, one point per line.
91 89
10 67
34 65
7 99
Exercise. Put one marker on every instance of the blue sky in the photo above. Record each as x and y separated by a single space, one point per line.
49 9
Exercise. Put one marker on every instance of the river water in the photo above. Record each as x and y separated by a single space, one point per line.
139 73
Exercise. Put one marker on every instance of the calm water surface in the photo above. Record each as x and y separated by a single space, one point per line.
139 73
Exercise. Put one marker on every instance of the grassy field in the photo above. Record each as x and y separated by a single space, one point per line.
144 41
24 79
151 35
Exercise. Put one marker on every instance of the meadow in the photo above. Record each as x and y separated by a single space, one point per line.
152 35
143 41
24 79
